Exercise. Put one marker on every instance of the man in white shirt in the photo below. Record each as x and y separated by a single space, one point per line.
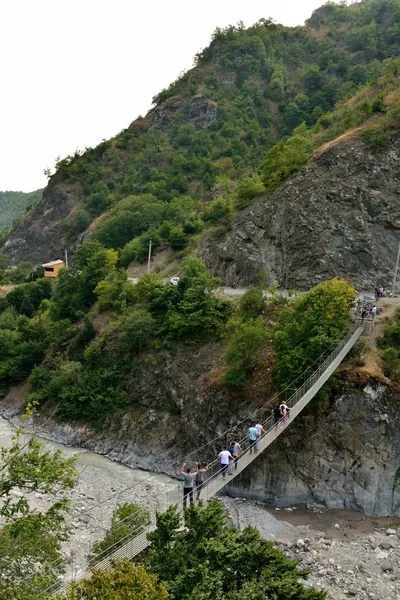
260 431
225 456
285 411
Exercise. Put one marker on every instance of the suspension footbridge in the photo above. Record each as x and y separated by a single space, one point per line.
297 401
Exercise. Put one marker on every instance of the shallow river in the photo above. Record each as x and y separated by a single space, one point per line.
102 485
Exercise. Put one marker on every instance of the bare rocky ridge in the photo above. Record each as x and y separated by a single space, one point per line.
340 216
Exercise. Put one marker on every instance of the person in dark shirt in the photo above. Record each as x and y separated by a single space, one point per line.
277 414
188 477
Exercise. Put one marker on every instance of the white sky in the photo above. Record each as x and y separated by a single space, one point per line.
73 72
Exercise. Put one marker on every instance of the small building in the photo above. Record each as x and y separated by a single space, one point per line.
51 268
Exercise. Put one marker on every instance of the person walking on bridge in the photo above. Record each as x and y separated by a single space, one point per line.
200 477
225 457
276 411
260 431
237 450
188 477
285 411
252 438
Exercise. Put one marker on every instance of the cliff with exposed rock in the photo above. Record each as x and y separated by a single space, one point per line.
340 216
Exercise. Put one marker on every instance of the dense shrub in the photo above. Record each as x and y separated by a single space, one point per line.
124 581
245 341
74 292
247 189
22 347
136 327
252 303
26 298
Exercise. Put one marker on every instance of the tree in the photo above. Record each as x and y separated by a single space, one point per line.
285 158
124 581
177 238
208 560
193 307
128 520
26 298
30 540
245 341
21 272
74 292
309 326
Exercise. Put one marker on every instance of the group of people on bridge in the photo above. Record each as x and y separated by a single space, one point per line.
228 457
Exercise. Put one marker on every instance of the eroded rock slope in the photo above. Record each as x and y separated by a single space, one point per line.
340 216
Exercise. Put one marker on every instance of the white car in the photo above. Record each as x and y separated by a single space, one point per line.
174 280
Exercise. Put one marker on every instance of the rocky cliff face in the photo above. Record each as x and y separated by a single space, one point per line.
344 456
348 459
339 217
38 238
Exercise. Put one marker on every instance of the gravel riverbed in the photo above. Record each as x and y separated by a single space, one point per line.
349 555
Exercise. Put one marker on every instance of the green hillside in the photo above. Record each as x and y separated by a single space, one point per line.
198 154
13 204
255 107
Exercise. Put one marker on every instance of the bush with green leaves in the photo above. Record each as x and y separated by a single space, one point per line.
27 298
286 158
203 557
124 581
128 520
92 388
252 303
22 346
246 339
308 327
21 273
136 327
192 309
247 190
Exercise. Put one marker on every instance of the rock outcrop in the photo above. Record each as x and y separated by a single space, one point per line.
348 459
38 237
340 216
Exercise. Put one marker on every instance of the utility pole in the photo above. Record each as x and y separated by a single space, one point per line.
395 271
66 257
148 262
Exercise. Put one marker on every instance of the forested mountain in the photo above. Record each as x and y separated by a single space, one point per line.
197 156
13 204
275 160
